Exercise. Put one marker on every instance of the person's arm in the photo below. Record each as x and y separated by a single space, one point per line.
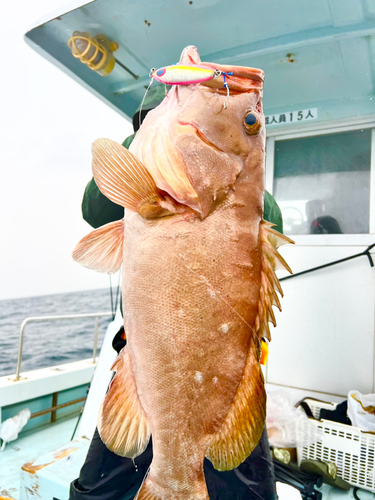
272 212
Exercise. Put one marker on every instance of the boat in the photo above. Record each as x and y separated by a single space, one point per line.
319 99
56 397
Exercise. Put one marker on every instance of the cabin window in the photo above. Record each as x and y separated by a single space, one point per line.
322 183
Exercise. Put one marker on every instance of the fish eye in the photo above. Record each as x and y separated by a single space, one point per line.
252 122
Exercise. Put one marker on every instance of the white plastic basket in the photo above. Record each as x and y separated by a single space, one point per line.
352 450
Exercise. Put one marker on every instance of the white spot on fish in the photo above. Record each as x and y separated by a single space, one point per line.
181 313
224 328
215 380
198 377
212 294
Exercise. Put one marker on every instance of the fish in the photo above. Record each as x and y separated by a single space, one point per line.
198 281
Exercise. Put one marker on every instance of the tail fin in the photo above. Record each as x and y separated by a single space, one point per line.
146 493
151 491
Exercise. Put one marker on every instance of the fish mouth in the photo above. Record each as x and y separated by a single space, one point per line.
201 136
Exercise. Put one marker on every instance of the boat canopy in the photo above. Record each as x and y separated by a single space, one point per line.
317 56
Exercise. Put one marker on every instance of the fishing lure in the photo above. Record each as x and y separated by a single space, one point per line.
184 75
178 74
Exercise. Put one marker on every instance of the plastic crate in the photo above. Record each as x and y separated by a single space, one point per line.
352 450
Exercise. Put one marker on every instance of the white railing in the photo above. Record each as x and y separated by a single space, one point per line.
96 315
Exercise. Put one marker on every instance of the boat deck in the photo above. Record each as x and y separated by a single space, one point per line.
28 448
34 445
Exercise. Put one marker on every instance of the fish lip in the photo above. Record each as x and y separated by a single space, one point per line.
201 136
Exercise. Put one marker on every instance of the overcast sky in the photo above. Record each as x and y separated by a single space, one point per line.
45 162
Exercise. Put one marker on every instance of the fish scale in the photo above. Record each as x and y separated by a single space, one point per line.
198 266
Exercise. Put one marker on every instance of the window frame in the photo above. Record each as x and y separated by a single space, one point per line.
312 130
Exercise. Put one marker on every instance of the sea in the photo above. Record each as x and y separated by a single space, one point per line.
51 343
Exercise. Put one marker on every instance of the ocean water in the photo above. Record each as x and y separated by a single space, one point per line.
50 343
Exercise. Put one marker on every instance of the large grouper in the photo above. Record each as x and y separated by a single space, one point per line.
198 266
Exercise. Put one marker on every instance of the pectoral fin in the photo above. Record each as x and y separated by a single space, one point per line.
102 249
123 424
123 179
244 424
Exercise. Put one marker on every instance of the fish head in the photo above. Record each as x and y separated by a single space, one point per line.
195 146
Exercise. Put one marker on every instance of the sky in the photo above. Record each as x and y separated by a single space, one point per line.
48 123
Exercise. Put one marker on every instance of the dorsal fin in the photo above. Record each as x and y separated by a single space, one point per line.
244 423
123 179
271 260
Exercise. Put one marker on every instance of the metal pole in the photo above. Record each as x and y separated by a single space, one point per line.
95 339
366 253
51 318
20 347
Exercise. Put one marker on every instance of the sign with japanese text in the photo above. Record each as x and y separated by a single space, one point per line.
299 116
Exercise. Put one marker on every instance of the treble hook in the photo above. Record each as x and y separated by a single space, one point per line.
227 87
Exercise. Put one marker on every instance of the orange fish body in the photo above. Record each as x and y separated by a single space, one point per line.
198 284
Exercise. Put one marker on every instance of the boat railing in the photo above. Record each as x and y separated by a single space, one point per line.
31 319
